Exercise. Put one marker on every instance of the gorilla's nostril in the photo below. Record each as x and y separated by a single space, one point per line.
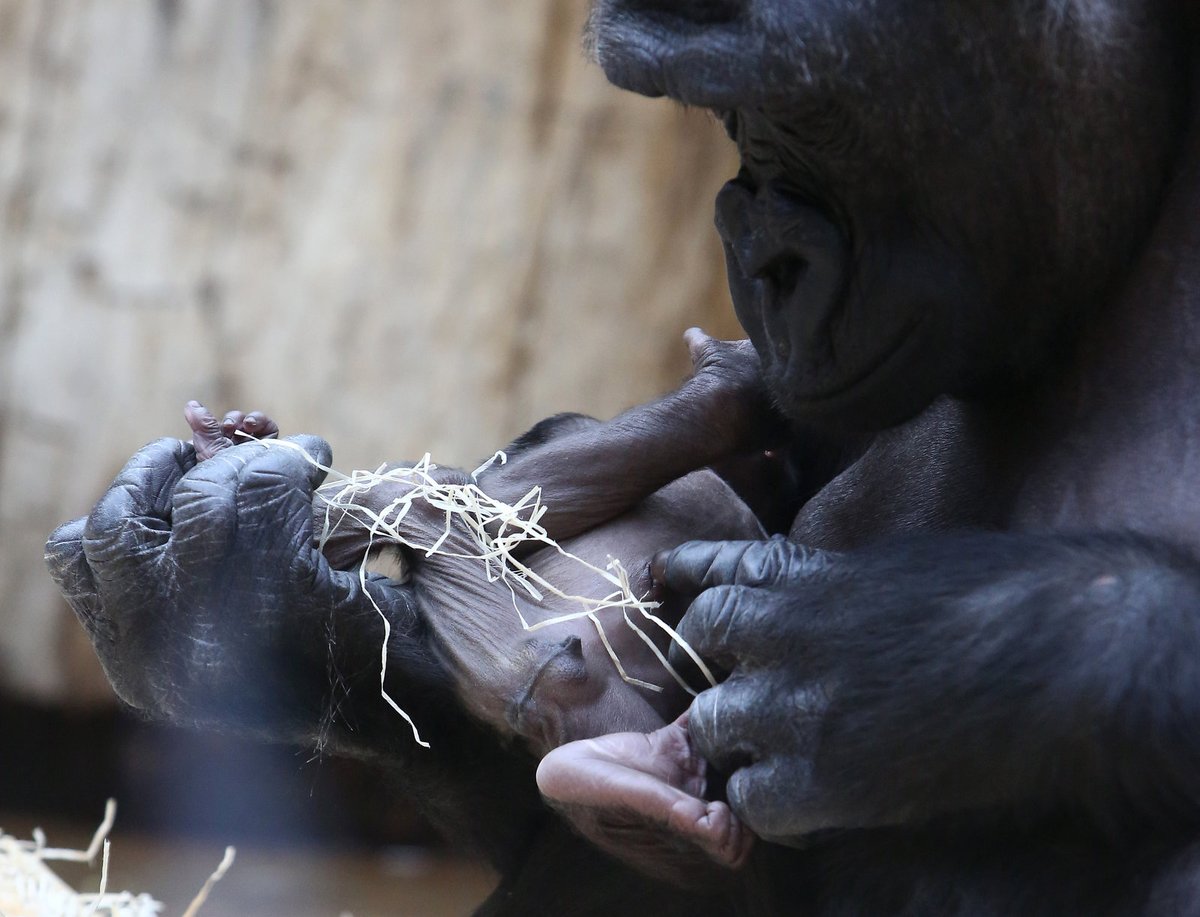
701 12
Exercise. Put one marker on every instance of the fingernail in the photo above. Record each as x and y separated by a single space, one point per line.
658 568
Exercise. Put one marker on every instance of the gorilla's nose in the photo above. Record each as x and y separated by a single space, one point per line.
773 235
701 12
786 261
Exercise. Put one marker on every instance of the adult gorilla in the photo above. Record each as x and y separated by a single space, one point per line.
970 682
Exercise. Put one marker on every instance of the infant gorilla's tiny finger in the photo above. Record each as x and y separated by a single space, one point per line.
260 426
697 344
207 435
238 425
232 423
640 796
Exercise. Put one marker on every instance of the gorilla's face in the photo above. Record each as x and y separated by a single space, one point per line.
930 192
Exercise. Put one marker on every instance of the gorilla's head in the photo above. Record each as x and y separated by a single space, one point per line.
932 193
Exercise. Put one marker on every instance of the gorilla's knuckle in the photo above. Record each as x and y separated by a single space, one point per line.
702 722
767 562
722 623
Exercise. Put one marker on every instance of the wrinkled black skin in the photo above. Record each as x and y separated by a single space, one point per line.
968 683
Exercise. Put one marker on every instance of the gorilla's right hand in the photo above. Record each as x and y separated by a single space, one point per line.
209 603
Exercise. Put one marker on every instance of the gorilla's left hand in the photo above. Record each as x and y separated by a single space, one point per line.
208 601
946 676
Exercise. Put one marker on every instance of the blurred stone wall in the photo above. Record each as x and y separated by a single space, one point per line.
406 225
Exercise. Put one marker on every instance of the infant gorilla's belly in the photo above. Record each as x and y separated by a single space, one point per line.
560 682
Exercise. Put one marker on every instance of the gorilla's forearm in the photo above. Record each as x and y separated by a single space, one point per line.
1047 673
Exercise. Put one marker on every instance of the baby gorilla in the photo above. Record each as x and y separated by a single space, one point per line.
624 489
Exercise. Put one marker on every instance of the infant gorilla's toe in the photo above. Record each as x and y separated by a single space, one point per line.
210 437
239 425
233 420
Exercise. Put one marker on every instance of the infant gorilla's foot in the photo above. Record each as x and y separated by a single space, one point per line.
641 798
210 436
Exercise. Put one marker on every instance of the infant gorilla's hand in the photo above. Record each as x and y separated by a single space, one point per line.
727 375
210 436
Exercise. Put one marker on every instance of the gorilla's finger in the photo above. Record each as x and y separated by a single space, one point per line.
732 625
729 725
396 601
208 436
64 557
278 483
68 567
204 511
697 344
698 565
260 426
132 521
768 796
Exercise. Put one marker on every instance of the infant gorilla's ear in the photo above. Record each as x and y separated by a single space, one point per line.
210 437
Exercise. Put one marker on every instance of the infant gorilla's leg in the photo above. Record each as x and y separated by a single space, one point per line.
633 792
210 436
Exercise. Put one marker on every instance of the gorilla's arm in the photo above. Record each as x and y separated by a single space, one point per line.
990 675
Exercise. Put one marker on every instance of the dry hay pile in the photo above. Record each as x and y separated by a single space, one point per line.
29 888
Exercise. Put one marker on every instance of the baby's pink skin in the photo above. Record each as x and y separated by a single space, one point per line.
644 787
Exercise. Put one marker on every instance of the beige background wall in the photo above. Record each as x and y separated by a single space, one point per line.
407 225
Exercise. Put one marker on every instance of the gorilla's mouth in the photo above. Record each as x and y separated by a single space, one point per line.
873 372
677 48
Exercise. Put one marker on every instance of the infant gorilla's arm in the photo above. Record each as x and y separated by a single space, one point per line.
596 472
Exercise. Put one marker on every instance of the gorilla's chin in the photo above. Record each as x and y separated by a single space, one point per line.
878 391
